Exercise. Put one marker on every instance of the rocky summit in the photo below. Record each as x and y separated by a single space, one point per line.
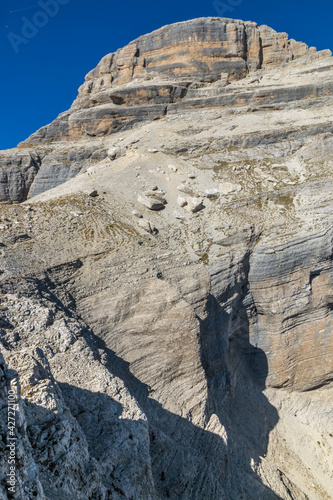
166 276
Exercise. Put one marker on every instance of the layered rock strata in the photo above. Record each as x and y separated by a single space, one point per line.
178 67
175 353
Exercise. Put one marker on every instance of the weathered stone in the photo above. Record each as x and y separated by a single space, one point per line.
188 189
136 214
114 153
194 204
173 167
61 420
60 165
212 193
202 50
146 225
18 170
152 202
93 194
156 193
228 187
207 363
182 202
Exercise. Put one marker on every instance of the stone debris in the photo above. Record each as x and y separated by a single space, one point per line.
182 202
146 225
194 204
114 153
154 200
173 167
136 214
93 194
228 188
212 193
188 189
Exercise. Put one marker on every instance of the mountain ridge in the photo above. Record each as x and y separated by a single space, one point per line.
166 284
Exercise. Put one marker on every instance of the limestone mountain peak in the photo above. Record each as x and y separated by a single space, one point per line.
166 274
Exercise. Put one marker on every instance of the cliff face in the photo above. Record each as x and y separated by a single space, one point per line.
166 289
152 77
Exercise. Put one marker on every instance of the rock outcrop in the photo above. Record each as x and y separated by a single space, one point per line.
17 173
178 67
166 286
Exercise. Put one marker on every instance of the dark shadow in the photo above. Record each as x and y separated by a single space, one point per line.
187 461
236 373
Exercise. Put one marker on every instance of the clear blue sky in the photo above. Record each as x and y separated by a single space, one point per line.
42 70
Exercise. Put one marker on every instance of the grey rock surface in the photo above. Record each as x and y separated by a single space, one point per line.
191 361
18 170
82 426
152 200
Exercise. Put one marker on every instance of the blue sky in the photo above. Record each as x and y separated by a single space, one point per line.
42 67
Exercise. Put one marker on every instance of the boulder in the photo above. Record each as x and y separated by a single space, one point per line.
194 204
146 225
212 193
114 153
153 202
182 202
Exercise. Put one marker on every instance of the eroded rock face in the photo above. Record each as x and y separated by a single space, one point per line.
18 476
199 50
140 81
309 298
17 173
178 67
65 418
176 353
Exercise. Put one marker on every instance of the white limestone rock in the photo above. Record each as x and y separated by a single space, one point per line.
194 204
153 200
114 153
182 202
229 188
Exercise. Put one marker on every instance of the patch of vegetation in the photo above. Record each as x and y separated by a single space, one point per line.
25 145
221 165
287 200
205 259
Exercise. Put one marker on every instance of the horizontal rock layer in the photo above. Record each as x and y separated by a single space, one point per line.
203 50
185 352
183 66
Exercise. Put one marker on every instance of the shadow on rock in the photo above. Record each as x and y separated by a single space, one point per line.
236 372
187 462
